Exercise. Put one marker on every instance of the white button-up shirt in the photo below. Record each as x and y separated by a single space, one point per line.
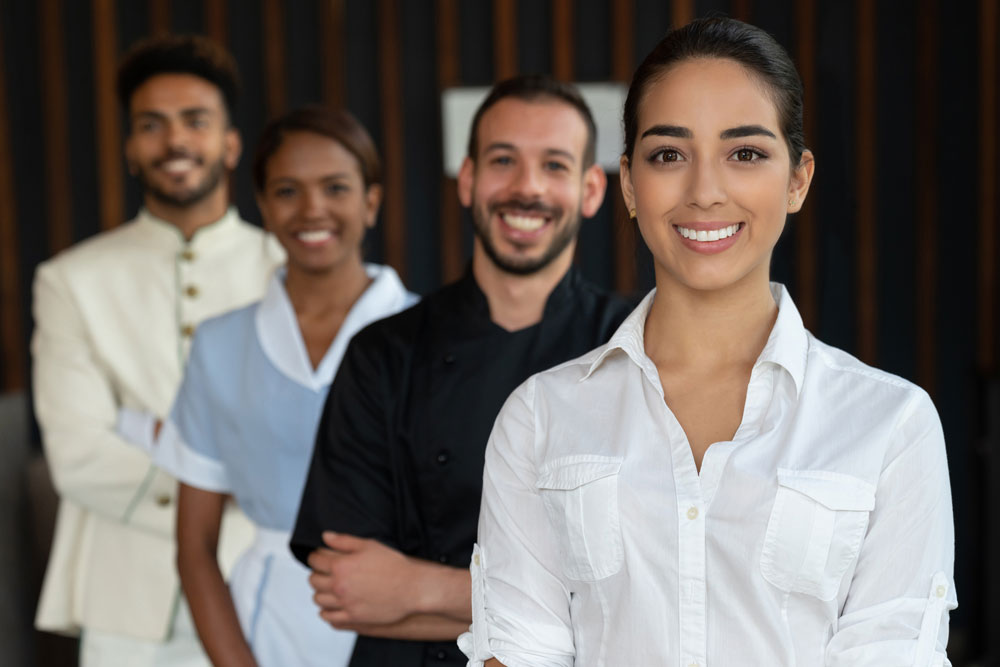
821 534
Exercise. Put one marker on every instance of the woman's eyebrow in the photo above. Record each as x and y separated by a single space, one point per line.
746 131
668 131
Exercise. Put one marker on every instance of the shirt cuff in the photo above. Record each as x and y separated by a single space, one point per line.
136 427
187 464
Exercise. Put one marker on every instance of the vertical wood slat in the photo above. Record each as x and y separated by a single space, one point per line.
11 328
108 127
925 280
563 42
55 118
273 17
866 220
332 40
681 12
393 137
988 155
806 256
159 17
215 21
625 233
741 9
504 39
448 76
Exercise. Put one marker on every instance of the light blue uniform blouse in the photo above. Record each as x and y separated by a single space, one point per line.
245 417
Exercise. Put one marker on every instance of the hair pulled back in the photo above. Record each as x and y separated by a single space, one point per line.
734 40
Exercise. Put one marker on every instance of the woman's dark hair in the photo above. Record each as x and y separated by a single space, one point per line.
179 54
338 125
734 40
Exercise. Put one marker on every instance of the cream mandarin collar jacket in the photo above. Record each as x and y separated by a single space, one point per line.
114 316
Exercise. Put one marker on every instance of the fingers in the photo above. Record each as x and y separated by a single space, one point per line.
344 542
321 560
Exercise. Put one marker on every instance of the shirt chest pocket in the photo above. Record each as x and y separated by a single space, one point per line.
580 494
815 530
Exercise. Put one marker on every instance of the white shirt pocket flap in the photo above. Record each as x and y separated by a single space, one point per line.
833 490
571 472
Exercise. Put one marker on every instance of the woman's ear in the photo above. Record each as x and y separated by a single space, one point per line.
373 200
625 178
798 186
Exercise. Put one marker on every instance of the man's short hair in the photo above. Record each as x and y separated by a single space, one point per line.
179 54
532 88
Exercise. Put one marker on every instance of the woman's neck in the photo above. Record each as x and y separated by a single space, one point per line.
696 328
314 294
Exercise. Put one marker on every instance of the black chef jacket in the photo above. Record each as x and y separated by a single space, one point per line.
400 448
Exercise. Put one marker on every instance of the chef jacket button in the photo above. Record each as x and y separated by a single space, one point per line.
191 291
163 500
187 255
442 558
187 330
449 358
441 655
443 456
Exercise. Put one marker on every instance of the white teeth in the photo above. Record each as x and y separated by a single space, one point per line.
177 166
523 223
314 236
709 235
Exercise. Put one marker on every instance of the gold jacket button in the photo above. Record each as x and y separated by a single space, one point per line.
187 330
187 255
191 291
163 500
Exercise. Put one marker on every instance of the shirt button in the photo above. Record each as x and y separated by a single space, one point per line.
941 590
475 559
442 558
443 456
191 291
693 513
187 330
440 655
449 358
163 500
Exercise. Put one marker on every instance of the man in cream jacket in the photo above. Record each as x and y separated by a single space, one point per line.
114 316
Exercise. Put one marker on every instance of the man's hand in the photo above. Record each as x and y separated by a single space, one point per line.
361 582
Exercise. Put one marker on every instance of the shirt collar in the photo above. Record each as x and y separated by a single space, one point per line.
787 345
203 236
281 339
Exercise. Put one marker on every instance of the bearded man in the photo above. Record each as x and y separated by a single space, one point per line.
389 512
114 316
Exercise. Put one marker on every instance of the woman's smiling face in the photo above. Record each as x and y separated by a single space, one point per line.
710 177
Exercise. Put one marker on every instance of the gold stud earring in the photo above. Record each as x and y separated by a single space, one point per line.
631 214
791 202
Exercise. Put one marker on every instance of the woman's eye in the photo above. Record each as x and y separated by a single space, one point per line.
336 188
284 193
666 155
748 155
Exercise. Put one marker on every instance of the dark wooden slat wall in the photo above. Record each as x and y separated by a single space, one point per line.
56 123
840 252
11 295
989 184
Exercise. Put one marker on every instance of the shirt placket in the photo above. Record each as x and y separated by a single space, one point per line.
186 293
691 557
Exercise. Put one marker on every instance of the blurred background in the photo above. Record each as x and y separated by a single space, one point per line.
894 257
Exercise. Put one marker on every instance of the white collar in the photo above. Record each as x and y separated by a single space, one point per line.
787 344
203 235
281 339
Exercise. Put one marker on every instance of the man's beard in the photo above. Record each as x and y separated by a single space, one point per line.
184 198
524 266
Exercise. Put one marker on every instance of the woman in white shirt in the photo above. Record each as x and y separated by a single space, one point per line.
714 486
245 418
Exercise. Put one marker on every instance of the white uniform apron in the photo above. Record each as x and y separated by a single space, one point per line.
275 605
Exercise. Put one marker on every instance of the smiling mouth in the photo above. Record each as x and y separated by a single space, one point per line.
705 236
178 165
314 236
523 223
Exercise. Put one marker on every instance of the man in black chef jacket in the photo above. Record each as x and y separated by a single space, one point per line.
398 465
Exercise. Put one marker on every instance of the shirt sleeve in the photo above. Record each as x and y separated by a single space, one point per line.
77 409
897 607
187 446
351 483
520 605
